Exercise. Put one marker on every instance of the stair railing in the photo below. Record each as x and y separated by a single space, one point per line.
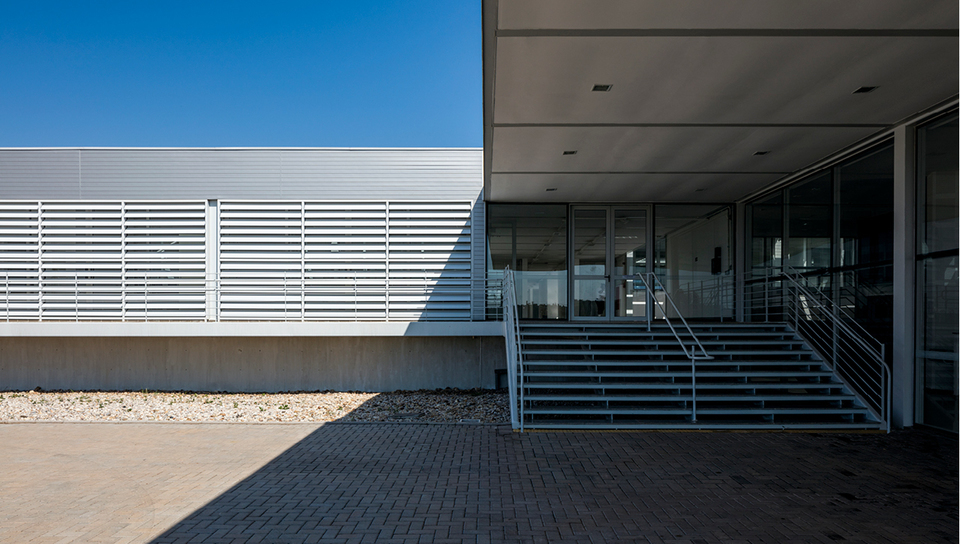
511 336
651 282
854 354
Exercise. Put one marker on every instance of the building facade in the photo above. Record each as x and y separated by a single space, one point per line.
719 150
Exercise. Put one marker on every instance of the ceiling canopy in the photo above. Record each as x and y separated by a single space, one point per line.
697 100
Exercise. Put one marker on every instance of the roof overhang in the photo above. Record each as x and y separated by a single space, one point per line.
700 90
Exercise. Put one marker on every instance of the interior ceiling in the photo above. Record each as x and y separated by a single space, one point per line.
698 87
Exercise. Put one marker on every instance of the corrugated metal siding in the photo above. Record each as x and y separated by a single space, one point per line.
40 174
180 174
267 174
388 174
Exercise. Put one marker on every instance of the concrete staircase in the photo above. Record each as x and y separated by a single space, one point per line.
622 376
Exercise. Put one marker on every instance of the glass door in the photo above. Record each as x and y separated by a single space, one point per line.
608 251
629 240
589 262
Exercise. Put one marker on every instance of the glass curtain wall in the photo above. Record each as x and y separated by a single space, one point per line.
532 240
835 228
864 275
937 287
693 259
765 258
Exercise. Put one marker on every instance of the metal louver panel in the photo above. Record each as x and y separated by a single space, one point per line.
164 260
345 260
102 260
81 260
429 256
20 259
261 260
281 260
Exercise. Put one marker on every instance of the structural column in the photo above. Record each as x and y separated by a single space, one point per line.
904 275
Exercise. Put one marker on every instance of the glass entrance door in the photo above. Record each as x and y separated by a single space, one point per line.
608 250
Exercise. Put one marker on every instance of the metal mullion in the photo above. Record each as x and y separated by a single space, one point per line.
123 261
303 258
40 261
386 254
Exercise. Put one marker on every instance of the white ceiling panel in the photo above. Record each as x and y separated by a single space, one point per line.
707 80
666 149
698 87
694 14
595 187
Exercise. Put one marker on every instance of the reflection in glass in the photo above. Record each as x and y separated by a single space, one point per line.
629 258
532 240
693 258
589 242
809 223
590 298
937 341
589 262
630 298
937 274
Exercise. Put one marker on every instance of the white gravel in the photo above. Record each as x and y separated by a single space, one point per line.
435 406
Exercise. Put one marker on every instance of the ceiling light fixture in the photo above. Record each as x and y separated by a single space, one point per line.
571 152
864 90
602 88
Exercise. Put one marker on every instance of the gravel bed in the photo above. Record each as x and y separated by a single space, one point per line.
446 405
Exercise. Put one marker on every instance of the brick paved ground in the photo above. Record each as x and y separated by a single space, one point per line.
467 483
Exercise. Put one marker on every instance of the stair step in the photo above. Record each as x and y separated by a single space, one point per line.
660 352
583 410
678 373
665 341
686 397
679 363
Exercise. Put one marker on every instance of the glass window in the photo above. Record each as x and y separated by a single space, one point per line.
937 270
532 240
809 224
766 235
693 258
866 209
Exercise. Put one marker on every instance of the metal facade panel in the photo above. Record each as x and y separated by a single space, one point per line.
262 174
421 174
180 174
40 174
478 252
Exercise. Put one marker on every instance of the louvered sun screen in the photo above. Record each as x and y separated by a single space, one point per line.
344 261
105 261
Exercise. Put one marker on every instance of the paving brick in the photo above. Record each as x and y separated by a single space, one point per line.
458 483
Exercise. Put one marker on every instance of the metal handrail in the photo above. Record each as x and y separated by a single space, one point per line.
820 297
511 336
692 353
840 337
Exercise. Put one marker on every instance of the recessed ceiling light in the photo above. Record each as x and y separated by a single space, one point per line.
761 152
550 189
602 88
571 152
863 90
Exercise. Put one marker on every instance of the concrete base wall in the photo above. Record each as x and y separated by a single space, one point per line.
250 364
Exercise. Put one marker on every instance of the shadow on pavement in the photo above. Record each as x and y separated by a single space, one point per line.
484 483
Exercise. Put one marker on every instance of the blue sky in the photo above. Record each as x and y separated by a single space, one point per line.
350 73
